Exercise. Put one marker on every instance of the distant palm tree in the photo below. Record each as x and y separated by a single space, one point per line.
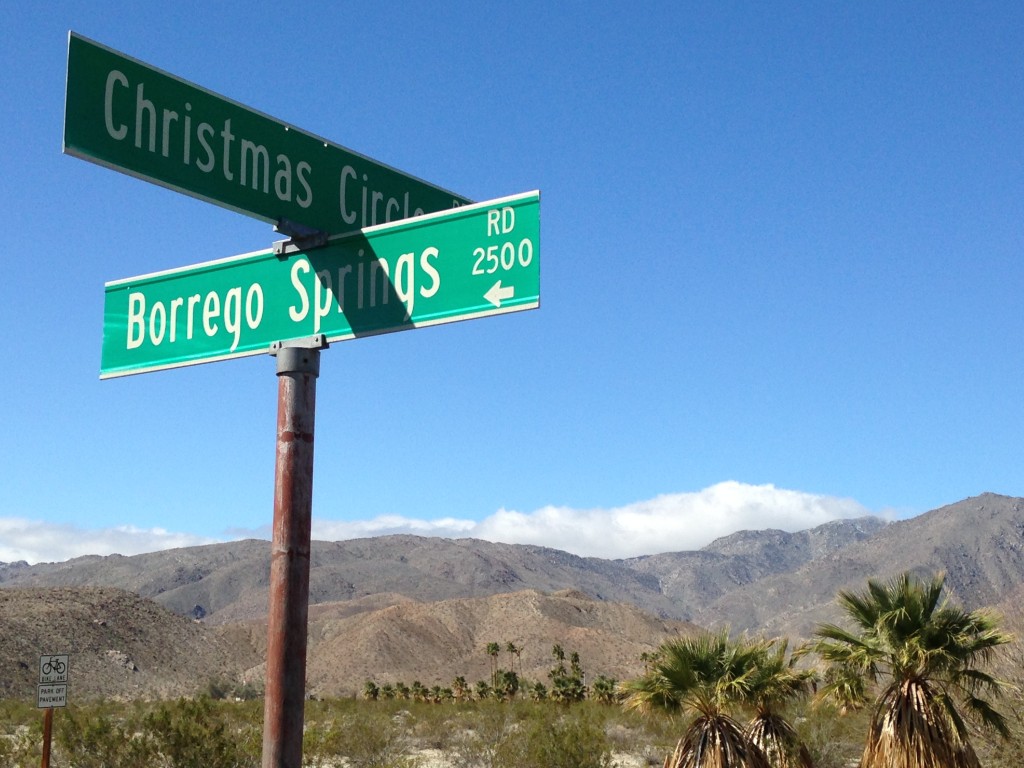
418 691
604 690
493 649
460 688
567 689
703 677
513 650
507 685
559 653
481 690
371 691
777 681
925 658
648 658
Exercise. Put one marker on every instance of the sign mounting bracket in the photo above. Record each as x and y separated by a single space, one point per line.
302 238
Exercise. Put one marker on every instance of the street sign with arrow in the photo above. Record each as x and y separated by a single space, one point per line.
468 262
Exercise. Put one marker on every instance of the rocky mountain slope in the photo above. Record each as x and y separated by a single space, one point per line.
754 580
978 543
695 580
127 647
228 582
407 607
121 645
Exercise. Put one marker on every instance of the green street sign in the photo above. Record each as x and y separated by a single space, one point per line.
123 114
468 262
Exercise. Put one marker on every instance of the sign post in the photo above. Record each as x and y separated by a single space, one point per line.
52 691
298 366
374 250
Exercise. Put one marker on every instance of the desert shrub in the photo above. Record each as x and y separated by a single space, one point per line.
486 738
833 739
22 747
98 739
365 736
15 712
19 751
194 734
574 740
225 688
434 727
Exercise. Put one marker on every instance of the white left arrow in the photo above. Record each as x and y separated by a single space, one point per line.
497 294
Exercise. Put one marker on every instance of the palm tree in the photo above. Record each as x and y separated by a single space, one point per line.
567 689
513 651
604 690
704 676
482 690
418 691
507 685
925 658
575 665
775 682
559 653
493 649
648 658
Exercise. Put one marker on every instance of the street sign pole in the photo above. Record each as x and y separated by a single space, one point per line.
47 736
298 366
373 250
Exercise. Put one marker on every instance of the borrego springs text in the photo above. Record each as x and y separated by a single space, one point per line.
474 260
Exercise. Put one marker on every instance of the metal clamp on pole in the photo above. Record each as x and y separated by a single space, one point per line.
299 355
303 238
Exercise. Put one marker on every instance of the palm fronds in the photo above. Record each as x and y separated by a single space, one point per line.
928 656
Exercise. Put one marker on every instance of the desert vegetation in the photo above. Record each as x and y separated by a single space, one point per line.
907 681
567 684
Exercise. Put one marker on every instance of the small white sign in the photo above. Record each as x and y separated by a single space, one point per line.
52 696
53 669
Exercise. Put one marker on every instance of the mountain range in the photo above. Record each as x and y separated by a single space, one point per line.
397 604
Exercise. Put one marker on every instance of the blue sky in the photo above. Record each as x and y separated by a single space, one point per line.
781 274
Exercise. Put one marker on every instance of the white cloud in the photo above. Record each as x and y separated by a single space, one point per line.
667 523
36 541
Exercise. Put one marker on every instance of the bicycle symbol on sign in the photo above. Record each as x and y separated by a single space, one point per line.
54 665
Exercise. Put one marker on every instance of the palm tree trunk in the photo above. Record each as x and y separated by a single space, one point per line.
910 731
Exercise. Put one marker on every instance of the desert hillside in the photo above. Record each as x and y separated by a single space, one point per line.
123 646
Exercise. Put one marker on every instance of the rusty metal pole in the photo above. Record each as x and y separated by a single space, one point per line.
47 736
297 369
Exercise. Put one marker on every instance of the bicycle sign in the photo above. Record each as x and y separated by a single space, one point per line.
53 669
